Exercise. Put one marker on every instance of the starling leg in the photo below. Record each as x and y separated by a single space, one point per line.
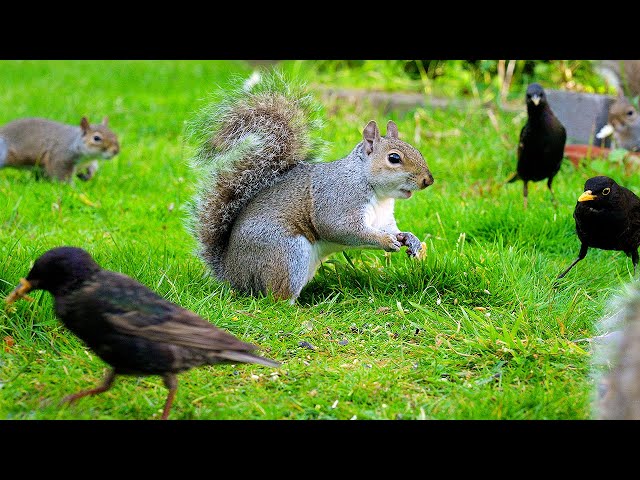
553 197
106 385
171 382
581 255
525 192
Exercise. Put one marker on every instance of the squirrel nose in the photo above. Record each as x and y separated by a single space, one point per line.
427 180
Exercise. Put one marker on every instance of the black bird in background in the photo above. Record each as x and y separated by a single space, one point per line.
542 141
134 330
607 217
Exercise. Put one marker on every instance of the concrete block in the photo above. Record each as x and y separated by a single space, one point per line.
582 114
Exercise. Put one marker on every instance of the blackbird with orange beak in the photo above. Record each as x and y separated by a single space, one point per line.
607 217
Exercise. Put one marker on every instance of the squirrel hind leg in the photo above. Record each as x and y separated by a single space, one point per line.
280 268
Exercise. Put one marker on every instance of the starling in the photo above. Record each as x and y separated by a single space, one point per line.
131 328
607 216
541 145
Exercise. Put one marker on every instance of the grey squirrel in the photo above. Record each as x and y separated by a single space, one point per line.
268 210
616 359
60 150
623 122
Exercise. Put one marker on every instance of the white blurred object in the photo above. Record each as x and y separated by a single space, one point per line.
250 82
605 131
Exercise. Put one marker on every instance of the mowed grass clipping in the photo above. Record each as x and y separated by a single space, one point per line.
474 330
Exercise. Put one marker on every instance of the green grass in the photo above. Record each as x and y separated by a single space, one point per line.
473 331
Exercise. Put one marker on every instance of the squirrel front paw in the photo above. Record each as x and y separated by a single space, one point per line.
390 243
88 172
85 175
413 244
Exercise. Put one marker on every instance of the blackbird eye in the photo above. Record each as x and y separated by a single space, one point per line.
97 138
605 191
393 157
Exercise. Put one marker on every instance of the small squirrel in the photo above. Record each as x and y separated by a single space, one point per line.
268 211
623 122
61 150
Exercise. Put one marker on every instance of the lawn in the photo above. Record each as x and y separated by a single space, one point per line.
475 330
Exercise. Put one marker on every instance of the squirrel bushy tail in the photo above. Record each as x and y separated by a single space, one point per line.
246 138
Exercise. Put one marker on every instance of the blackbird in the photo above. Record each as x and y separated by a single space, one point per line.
133 329
607 216
541 145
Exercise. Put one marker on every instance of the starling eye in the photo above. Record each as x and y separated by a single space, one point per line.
393 157
97 138
605 191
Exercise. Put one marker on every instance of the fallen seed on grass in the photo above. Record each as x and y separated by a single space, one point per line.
335 404
306 345
343 342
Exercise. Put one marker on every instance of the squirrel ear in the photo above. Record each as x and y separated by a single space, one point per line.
105 120
392 129
84 123
370 134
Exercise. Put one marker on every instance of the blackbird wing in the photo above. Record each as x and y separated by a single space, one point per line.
516 175
633 207
521 140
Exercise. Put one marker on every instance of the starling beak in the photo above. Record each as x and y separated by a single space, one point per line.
131 328
541 146
607 217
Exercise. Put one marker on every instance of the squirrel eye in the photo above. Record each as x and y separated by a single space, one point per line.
393 157
97 138
629 112
605 191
